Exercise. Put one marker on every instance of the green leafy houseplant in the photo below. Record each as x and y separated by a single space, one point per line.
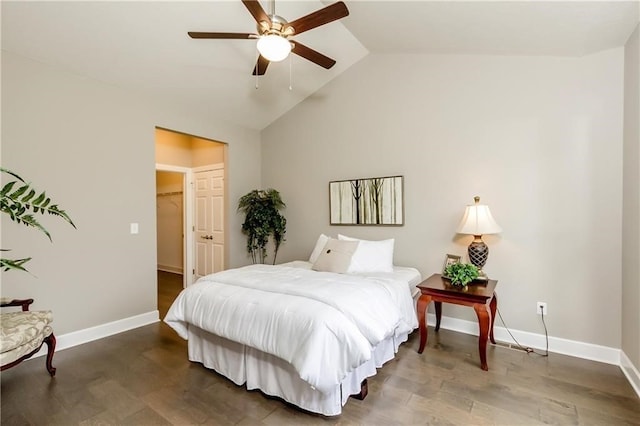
262 221
461 274
21 202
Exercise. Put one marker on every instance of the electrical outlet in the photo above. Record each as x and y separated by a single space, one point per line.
541 308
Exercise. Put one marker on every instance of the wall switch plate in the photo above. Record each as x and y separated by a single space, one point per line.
541 308
133 228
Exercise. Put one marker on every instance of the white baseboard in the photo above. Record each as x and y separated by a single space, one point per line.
535 341
87 335
172 269
630 371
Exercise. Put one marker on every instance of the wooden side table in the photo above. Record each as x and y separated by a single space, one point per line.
480 296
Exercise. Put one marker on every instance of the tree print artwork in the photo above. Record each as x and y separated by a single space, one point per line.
371 201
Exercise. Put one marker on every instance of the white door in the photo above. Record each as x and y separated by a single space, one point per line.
209 221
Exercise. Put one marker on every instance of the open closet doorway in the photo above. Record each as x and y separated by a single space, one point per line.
170 226
170 221
191 219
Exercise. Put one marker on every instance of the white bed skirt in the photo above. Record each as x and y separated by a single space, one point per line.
275 377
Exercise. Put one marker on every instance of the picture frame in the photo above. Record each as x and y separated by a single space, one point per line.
450 259
370 201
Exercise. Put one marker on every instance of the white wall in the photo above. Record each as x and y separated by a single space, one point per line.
631 203
538 138
91 146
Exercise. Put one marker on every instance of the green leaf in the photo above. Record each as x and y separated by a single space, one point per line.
38 200
54 210
9 172
18 192
28 197
29 220
8 264
7 188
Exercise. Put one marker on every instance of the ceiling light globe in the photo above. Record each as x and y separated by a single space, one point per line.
273 47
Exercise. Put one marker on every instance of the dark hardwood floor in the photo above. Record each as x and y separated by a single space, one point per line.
143 377
169 286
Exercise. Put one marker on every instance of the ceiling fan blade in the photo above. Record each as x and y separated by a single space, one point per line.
319 17
312 55
193 34
261 66
256 11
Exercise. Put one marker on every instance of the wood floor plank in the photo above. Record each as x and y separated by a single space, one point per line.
444 407
594 417
177 407
116 398
252 404
497 416
503 396
146 416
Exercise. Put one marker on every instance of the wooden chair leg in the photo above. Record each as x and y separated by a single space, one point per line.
51 347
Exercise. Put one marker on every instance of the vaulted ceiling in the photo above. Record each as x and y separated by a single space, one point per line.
144 47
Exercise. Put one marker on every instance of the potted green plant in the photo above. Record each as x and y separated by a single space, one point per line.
461 274
21 202
262 221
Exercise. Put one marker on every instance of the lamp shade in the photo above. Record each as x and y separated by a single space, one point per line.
477 220
273 47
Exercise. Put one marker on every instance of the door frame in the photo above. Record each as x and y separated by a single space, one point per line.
187 218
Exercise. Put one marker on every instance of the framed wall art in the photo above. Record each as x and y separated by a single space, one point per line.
370 201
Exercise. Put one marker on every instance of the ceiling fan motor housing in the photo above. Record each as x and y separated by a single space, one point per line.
278 27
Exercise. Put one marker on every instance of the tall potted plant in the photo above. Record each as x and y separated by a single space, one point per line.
262 221
21 202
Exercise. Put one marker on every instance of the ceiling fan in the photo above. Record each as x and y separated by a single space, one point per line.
274 33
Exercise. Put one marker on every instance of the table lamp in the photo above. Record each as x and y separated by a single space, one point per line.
477 221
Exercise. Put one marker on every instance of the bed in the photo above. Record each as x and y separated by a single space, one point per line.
298 331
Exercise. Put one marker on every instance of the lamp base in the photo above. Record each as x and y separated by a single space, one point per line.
482 276
478 252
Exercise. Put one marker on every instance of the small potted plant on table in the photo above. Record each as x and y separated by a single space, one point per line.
461 274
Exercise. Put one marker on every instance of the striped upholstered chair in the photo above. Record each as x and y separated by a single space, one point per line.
23 333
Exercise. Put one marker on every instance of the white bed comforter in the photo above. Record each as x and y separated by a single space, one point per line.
324 324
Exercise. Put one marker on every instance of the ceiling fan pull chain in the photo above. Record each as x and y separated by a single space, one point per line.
290 73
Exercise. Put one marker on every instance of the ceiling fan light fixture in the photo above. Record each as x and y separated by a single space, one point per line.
273 47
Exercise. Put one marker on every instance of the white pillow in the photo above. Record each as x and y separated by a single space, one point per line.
371 256
322 241
335 256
